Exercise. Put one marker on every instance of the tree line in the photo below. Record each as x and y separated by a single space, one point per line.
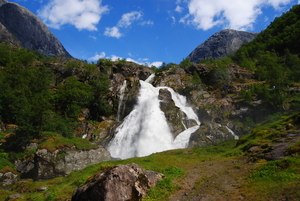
38 97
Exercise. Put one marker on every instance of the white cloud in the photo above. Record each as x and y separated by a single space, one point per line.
128 18
149 22
93 37
277 3
140 61
234 14
125 22
179 9
97 56
156 63
112 32
83 14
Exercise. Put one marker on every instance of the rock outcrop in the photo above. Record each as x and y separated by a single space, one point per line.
221 44
8 177
176 119
29 30
118 183
209 134
45 164
132 73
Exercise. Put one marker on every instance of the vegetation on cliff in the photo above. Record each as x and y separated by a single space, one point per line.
46 94
274 57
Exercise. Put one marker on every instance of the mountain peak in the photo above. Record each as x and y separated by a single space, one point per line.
221 44
29 30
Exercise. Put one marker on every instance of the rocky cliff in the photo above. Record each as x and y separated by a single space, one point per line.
221 44
19 25
45 164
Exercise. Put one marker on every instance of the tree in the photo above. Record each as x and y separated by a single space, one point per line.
72 96
185 63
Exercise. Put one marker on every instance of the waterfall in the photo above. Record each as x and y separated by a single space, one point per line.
234 135
145 130
121 95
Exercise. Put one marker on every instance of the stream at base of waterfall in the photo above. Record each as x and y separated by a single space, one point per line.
145 130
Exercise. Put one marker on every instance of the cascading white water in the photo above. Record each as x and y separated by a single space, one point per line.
234 135
121 95
145 130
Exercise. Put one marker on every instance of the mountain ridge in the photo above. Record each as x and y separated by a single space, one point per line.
29 30
221 44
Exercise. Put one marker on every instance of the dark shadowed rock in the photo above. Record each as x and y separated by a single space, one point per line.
221 44
29 30
118 183
14 197
3 2
5 35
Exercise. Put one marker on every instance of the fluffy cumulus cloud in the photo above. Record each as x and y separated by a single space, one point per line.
125 22
128 18
97 56
234 14
83 14
113 32
141 61
179 9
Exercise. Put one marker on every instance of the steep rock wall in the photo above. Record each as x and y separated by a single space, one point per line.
221 44
30 30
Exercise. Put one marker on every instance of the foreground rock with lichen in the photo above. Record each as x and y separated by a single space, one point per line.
121 182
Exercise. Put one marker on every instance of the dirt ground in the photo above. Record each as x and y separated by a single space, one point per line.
213 180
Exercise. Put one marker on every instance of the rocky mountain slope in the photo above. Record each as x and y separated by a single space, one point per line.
221 44
20 26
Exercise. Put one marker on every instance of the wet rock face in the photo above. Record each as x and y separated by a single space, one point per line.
210 134
174 116
132 73
121 182
221 44
29 30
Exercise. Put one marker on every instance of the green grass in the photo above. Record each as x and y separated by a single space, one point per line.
168 163
275 180
55 143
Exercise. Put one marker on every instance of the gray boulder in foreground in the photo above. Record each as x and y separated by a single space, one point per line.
118 183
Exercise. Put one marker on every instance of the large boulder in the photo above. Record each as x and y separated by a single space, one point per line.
118 183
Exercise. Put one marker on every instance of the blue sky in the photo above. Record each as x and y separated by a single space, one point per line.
148 31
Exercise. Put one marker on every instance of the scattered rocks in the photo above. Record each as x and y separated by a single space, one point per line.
14 196
8 178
